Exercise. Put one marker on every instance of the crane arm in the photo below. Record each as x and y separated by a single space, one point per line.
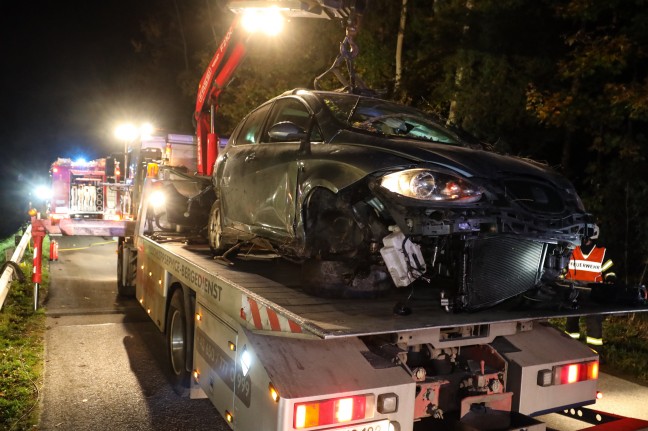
231 52
226 59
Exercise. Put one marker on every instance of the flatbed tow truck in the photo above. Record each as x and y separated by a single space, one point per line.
270 356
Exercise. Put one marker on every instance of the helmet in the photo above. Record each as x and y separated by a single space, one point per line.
591 231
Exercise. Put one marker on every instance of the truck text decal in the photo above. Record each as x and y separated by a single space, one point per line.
187 274
224 366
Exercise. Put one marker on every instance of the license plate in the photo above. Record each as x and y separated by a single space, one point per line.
370 426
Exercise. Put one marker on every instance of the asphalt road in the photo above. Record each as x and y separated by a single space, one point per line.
104 358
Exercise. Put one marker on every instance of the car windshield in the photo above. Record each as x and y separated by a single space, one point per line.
386 118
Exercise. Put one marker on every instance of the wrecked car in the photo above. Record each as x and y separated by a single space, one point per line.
368 194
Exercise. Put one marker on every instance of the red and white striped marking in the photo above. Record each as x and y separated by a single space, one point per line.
266 319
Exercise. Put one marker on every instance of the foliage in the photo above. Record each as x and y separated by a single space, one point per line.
562 82
626 349
21 353
599 99
275 65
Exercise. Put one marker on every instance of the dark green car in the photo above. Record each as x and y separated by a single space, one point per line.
368 194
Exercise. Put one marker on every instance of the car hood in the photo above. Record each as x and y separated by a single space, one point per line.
465 161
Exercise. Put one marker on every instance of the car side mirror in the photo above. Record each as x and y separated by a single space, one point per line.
286 131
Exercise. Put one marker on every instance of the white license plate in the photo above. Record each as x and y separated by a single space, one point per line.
370 426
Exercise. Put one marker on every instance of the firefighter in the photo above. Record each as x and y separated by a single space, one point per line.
586 266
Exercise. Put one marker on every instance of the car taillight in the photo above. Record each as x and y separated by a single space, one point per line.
572 373
333 411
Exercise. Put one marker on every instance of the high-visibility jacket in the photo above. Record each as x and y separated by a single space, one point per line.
586 267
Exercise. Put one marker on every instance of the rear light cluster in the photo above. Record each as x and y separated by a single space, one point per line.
333 411
569 373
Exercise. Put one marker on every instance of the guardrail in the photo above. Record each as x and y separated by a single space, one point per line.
7 274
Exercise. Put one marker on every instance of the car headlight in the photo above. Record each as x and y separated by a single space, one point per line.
428 185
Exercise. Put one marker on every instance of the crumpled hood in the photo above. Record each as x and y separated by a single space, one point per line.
467 162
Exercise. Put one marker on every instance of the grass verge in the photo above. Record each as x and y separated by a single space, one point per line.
21 348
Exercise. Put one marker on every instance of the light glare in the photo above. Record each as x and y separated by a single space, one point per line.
269 21
344 411
246 361
572 373
146 130
126 132
300 416
43 193
158 198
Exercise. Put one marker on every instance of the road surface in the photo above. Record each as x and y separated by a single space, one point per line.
104 358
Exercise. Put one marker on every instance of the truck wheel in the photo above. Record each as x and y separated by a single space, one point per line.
176 337
214 230
123 289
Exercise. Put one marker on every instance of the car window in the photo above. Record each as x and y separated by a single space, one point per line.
250 132
387 119
294 111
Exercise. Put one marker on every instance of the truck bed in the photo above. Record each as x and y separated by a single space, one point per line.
274 283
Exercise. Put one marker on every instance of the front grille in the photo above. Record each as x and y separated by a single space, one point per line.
499 268
534 196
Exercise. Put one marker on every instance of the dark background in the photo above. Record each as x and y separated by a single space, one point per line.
565 83
69 74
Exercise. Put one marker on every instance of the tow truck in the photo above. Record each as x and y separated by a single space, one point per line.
270 356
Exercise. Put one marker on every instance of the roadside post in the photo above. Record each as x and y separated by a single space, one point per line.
38 233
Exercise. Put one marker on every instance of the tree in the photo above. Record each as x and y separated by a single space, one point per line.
599 100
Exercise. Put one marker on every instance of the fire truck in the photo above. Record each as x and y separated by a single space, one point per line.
80 190
96 198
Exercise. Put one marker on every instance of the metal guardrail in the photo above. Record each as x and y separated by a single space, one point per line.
7 274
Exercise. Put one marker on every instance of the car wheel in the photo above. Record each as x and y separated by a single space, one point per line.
344 279
214 230
177 340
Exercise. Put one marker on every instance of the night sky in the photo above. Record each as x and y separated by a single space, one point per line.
63 87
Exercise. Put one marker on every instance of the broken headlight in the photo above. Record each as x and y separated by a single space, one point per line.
428 185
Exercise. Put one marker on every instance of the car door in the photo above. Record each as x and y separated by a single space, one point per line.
273 187
235 171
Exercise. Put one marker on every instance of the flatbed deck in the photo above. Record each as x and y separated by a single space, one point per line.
274 283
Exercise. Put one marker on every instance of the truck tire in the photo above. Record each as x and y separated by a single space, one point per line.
123 288
177 343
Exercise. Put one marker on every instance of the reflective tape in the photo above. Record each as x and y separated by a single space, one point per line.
574 335
265 318
594 341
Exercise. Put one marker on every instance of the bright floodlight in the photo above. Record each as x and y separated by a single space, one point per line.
126 132
267 20
43 193
146 130
158 199
129 132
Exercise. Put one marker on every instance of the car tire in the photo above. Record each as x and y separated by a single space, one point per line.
344 279
214 231
177 344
